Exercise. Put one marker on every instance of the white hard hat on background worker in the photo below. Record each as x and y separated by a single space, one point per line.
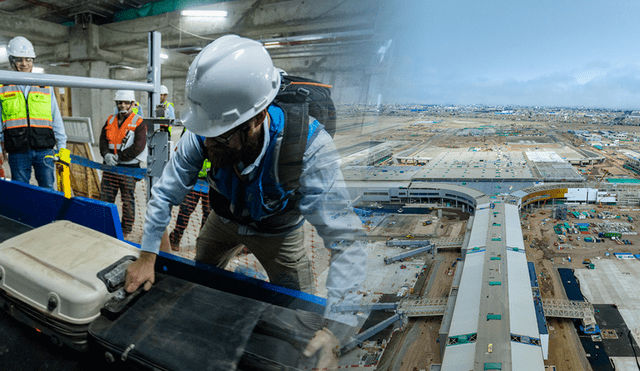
220 93
20 48
125 95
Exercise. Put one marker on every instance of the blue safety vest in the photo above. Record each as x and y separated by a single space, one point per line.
263 202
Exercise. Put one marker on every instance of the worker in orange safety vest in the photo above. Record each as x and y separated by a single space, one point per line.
123 142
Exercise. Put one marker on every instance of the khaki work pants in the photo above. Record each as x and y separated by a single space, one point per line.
283 256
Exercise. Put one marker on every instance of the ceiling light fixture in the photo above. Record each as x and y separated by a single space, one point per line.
164 56
121 66
204 13
37 70
270 45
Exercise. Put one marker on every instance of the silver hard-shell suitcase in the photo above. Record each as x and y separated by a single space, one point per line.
57 278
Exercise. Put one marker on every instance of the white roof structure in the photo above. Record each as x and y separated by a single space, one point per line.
460 357
513 229
521 358
465 315
544 156
494 306
478 236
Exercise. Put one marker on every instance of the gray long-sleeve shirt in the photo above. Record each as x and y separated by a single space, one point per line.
325 204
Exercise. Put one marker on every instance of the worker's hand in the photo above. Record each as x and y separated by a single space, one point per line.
141 272
324 342
111 159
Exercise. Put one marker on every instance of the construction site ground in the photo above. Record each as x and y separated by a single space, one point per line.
612 280
414 346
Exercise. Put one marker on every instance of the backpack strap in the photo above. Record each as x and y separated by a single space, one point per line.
294 143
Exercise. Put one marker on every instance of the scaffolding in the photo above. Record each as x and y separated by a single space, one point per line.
152 86
401 257
364 335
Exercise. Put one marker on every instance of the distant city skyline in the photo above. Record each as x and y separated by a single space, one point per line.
530 53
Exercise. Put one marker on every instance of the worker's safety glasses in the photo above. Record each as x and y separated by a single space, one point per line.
23 60
226 137
119 102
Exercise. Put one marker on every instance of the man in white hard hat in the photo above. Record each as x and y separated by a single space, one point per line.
31 122
123 142
168 106
232 122
136 108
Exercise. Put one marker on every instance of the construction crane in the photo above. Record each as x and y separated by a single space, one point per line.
606 172
599 201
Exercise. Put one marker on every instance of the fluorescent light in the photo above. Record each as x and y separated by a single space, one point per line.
120 66
3 50
37 70
204 13
164 56
272 45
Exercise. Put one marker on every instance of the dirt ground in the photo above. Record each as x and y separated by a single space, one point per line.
542 237
415 347
565 350
452 224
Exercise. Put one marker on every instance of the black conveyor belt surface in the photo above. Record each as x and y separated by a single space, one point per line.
10 228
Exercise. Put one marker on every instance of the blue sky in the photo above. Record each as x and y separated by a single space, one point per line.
548 53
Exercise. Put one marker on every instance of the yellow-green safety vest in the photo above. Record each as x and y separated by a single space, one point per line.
27 122
206 165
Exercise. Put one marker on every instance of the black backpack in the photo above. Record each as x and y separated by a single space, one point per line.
300 98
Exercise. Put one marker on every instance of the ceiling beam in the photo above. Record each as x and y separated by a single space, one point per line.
256 19
37 31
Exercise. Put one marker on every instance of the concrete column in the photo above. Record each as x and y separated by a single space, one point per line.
87 60
97 104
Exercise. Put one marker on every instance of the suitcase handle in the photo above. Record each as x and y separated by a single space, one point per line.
114 275
121 300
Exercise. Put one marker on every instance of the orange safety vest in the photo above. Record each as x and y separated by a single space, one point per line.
122 137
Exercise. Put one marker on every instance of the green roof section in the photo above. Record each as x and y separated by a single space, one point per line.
623 180
493 366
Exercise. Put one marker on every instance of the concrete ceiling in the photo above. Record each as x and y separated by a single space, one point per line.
300 34
71 11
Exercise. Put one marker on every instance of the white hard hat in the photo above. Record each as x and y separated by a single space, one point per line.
163 90
230 81
125 95
20 47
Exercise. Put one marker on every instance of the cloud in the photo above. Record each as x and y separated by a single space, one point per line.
594 85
